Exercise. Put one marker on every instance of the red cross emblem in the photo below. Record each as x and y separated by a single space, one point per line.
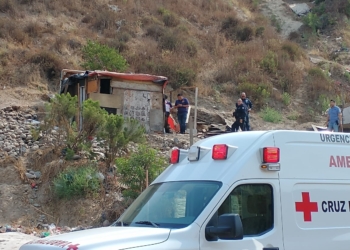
306 206
73 247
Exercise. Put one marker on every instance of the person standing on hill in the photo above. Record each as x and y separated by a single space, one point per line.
334 117
249 107
168 107
240 115
182 105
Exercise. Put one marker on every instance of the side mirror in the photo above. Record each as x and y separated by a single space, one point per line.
229 227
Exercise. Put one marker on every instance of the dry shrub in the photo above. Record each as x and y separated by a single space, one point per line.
18 165
60 43
50 64
170 41
19 36
74 44
46 161
33 29
8 6
318 83
104 19
292 49
170 20
155 31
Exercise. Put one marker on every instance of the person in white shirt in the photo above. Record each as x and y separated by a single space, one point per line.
168 107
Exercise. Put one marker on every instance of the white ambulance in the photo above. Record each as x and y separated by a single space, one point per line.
274 190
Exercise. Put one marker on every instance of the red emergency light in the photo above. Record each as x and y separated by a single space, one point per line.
174 155
220 152
271 155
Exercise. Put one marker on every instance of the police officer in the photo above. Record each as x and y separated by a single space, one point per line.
249 106
240 115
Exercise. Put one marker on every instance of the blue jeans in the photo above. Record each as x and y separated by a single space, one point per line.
333 126
181 117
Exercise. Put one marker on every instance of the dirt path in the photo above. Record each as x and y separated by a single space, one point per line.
284 16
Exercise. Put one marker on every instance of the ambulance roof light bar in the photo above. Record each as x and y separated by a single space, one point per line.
222 151
271 158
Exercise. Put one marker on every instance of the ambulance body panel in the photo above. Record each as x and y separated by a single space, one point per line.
261 190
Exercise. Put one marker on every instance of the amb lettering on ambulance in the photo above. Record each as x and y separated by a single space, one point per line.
256 190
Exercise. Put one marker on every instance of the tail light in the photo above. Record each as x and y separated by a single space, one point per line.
174 155
271 155
220 152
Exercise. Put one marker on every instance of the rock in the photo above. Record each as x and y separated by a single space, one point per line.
37 205
76 157
106 223
30 176
35 147
37 174
100 176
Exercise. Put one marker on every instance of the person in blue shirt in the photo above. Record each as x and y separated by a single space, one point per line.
334 117
249 107
182 105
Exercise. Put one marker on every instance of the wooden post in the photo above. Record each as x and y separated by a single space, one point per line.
195 111
190 123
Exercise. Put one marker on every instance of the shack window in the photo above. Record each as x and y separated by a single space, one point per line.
105 86
110 110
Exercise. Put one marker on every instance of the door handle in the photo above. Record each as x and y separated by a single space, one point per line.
271 248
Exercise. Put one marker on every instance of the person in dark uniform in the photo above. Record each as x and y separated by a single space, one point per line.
240 115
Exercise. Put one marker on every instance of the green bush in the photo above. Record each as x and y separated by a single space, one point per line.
271 115
269 62
293 116
276 23
191 48
99 57
259 32
347 76
286 98
183 77
311 20
76 182
133 169
260 93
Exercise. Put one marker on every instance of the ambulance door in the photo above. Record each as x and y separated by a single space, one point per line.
257 202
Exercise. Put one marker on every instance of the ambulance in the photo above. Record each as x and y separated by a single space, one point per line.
261 190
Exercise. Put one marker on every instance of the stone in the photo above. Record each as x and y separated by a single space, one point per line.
76 157
106 223
30 176
35 147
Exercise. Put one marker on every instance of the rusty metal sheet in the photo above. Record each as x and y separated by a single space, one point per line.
92 87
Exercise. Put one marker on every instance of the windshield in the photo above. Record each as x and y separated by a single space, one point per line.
170 204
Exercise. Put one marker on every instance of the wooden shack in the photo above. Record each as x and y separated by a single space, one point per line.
139 96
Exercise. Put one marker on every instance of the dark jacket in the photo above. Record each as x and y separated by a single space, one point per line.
247 103
241 112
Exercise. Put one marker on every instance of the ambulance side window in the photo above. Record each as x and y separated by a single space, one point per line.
254 204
